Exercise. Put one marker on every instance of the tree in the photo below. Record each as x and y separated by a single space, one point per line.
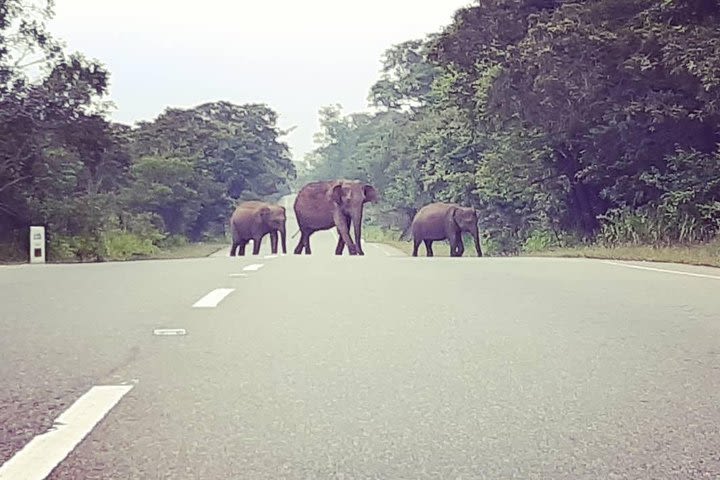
44 94
556 119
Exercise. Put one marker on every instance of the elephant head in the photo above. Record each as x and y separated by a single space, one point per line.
274 218
350 198
464 219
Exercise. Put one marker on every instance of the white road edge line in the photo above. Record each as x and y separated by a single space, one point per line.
662 270
238 275
274 255
254 267
43 453
212 299
382 249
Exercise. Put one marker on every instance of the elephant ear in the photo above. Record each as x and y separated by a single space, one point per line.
370 194
450 222
336 193
265 213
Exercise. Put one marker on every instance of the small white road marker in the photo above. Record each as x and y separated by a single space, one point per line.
662 270
238 275
254 267
44 452
169 331
274 255
212 299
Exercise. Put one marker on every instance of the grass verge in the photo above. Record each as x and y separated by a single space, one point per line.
705 254
190 250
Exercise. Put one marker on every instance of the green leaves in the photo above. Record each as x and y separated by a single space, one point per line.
62 163
235 144
556 119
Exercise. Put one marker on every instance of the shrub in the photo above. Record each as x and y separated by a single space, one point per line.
125 245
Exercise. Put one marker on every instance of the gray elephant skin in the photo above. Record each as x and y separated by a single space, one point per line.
333 204
445 221
252 221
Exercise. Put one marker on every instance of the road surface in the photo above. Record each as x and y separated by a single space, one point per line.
375 367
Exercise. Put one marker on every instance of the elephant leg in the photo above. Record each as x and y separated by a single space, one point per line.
233 249
283 236
416 245
460 250
307 242
454 239
341 243
340 246
274 242
301 244
241 247
256 245
428 248
343 223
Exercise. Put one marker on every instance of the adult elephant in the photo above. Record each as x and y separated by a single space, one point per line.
445 221
252 221
334 203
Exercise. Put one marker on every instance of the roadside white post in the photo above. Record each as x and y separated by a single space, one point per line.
37 244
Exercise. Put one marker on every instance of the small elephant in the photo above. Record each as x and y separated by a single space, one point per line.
252 221
445 221
334 203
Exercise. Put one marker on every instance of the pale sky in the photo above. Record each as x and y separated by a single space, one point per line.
295 56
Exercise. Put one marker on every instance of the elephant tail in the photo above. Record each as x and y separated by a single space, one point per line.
295 234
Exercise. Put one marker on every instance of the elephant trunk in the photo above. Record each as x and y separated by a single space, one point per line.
357 221
476 237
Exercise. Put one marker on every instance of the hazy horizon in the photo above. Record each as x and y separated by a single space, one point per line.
311 55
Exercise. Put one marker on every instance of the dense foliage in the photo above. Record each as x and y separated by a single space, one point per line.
560 120
106 188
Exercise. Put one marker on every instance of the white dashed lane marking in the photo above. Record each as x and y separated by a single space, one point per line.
44 452
254 267
212 299
169 331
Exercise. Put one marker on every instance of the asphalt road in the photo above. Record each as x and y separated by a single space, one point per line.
375 367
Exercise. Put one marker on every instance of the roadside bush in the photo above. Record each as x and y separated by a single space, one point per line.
125 245
540 240
174 241
66 248
12 252
687 209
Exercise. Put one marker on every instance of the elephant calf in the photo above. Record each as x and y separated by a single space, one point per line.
252 221
445 221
